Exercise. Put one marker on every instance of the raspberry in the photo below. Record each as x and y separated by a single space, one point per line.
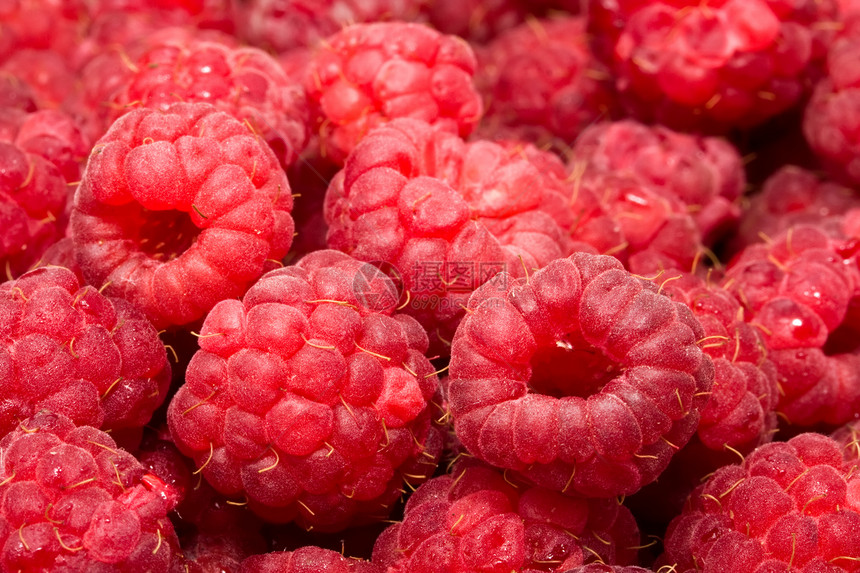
73 501
790 197
833 114
368 74
542 84
305 559
640 378
603 568
41 25
715 66
310 396
242 81
17 93
705 173
49 75
476 20
283 25
789 506
70 349
448 214
475 519
797 289
180 209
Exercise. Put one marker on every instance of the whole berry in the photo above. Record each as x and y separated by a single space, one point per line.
368 74
73 501
580 377
180 209
311 396
70 349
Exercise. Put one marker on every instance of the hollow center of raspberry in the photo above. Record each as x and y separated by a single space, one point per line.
164 235
570 367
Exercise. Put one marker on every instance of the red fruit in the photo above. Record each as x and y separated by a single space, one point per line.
476 519
369 74
581 377
705 173
74 351
603 568
789 506
447 214
476 20
73 501
178 210
715 66
541 83
311 396
41 25
304 559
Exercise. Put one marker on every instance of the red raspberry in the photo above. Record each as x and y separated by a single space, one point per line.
178 210
705 173
581 377
476 20
283 25
797 289
790 197
49 74
74 351
541 83
310 396
476 519
73 501
17 93
603 568
368 74
243 81
448 214
306 559
712 66
833 114
41 25
790 506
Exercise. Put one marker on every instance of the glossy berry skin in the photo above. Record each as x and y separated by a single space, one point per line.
180 209
311 397
581 377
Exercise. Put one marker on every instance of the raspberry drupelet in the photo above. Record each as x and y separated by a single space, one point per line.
180 209
580 377
311 397
368 74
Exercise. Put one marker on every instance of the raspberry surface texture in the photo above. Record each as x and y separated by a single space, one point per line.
311 397
306 559
582 377
476 519
790 505
180 209
73 501
67 348
368 74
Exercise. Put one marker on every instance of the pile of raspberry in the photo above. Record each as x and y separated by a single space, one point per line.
413 286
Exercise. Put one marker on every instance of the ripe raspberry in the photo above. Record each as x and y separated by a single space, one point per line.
602 568
368 74
581 377
476 519
448 214
178 210
15 92
541 83
705 173
243 81
713 66
306 559
797 289
283 25
73 501
41 25
49 74
833 114
311 397
476 20
790 506
790 197
74 351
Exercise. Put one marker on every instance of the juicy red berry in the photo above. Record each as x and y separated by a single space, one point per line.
305 559
74 351
41 25
476 20
368 74
73 501
476 519
790 506
447 214
311 396
542 84
178 210
582 377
